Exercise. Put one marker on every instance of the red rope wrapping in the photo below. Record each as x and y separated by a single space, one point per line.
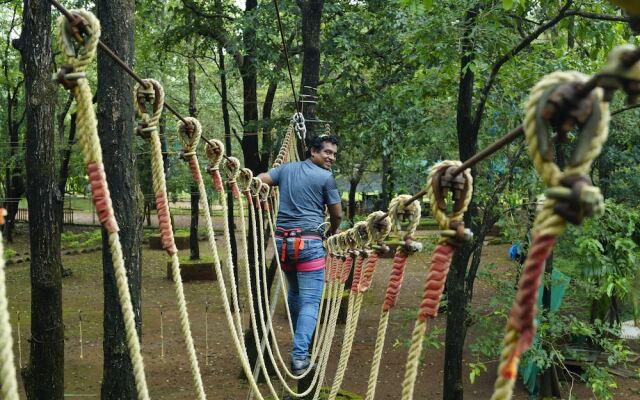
166 231
217 180
395 279
247 194
235 191
265 205
256 202
369 269
101 197
436 278
346 269
335 267
355 284
328 262
195 169
523 311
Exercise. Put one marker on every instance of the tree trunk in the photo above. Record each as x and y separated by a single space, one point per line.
250 145
194 246
116 124
353 187
311 17
44 376
456 293
386 185
549 384
227 145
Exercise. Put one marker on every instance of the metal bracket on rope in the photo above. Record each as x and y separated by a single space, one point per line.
299 125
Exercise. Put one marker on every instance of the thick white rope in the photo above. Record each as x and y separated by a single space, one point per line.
92 154
9 388
164 217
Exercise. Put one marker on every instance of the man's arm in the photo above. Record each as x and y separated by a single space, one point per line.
266 178
335 217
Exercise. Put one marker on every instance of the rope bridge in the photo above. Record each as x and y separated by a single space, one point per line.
449 186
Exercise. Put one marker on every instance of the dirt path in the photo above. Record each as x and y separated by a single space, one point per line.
169 377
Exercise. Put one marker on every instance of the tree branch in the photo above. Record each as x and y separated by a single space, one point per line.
524 43
233 107
600 17
201 13
627 108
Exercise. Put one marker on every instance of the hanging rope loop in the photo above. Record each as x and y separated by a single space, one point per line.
399 212
232 172
153 94
214 150
570 197
189 133
440 182
264 195
78 50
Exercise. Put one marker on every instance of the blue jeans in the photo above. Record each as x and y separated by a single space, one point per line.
305 293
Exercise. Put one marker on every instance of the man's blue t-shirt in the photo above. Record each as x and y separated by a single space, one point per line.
305 189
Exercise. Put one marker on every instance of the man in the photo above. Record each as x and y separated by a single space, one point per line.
306 187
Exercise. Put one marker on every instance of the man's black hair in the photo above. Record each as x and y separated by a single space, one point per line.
317 141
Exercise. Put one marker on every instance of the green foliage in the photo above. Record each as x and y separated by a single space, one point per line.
73 240
8 253
607 250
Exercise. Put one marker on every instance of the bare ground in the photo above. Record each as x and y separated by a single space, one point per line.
169 376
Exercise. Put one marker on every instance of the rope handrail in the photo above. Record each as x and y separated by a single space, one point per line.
78 27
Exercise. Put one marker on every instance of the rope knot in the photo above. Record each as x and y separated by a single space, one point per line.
378 228
576 199
232 171
79 38
153 93
189 133
214 149
244 179
440 182
399 212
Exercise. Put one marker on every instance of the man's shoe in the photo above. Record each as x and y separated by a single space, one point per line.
298 367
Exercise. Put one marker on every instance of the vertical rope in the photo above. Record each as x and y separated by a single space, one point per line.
162 206
9 388
92 154
453 232
549 224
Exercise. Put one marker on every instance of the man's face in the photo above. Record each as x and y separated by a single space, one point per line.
326 156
